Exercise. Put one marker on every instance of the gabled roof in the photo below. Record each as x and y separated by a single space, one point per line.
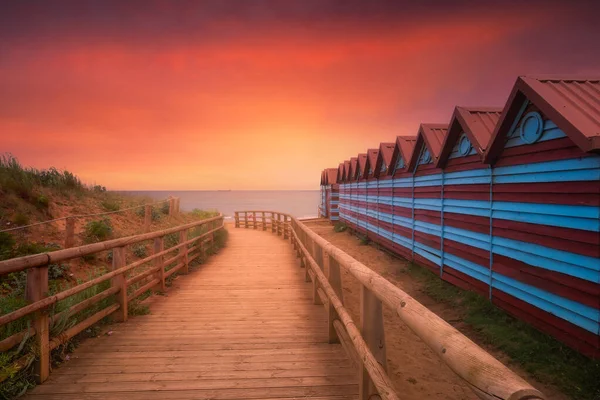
571 103
372 159
352 170
384 156
362 166
346 170
433 136
404 147
478 123
331 176
322 178
340 173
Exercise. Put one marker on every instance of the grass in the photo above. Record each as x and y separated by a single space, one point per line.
340 227
542 356
26 183
97 231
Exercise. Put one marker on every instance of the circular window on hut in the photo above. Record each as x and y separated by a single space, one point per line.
531 128
464 145
426 158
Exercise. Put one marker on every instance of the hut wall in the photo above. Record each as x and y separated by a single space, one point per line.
545 244
524 233
333 193
323 202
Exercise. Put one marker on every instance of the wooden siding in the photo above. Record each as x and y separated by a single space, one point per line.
525 233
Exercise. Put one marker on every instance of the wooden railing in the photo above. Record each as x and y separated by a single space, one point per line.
122 276
486 376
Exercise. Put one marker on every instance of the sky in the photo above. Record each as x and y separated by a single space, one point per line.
246 95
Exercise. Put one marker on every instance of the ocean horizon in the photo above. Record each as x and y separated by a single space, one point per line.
299 203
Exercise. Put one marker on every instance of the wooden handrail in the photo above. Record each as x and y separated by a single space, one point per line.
37 283
485 375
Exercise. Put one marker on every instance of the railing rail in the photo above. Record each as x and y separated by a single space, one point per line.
152 277
486 376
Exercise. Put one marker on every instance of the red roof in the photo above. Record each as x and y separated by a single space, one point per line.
384 156
362 163
404 147
331 176
573 104
345 177
477 123
372 158
433 135
352 170
340 172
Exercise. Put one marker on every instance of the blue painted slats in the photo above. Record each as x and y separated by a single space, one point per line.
579 314
549 132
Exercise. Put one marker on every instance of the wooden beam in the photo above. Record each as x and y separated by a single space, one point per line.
37 289
120 281
371 328
147 217
183 251
159 246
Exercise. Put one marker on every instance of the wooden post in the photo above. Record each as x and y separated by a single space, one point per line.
171 206
254 218
159 245
246 219
335 280
120 281
371 328
147 217
316 252
237 219
318 255
184 251
273 222
37 289
285 227
278 224
264 221
69 232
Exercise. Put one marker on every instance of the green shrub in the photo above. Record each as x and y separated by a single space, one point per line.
164 208
340 227
7 244
110 205
203 214
98 231
171 240
42 202
21 219
364 240
57 271
98 189
139 250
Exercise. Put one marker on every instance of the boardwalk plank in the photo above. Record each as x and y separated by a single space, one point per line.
243 326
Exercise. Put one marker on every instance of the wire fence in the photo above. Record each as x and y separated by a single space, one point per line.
83 216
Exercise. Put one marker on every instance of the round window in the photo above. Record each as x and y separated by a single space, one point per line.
464 145
426 156
532 127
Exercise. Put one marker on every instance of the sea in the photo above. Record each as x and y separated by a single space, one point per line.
299 203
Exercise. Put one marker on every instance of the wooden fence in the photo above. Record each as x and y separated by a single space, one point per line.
122 276
365 344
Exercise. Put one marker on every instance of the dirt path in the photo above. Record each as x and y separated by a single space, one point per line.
416 371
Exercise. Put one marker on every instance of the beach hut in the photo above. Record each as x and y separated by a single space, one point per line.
395 201
372 193
382 209
352 193
545 211
361 191
322 197
344 196
427 195
332 194
466 198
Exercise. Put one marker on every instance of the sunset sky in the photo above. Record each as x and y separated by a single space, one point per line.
259 94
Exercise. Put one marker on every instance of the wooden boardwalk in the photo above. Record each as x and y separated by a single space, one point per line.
241 327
